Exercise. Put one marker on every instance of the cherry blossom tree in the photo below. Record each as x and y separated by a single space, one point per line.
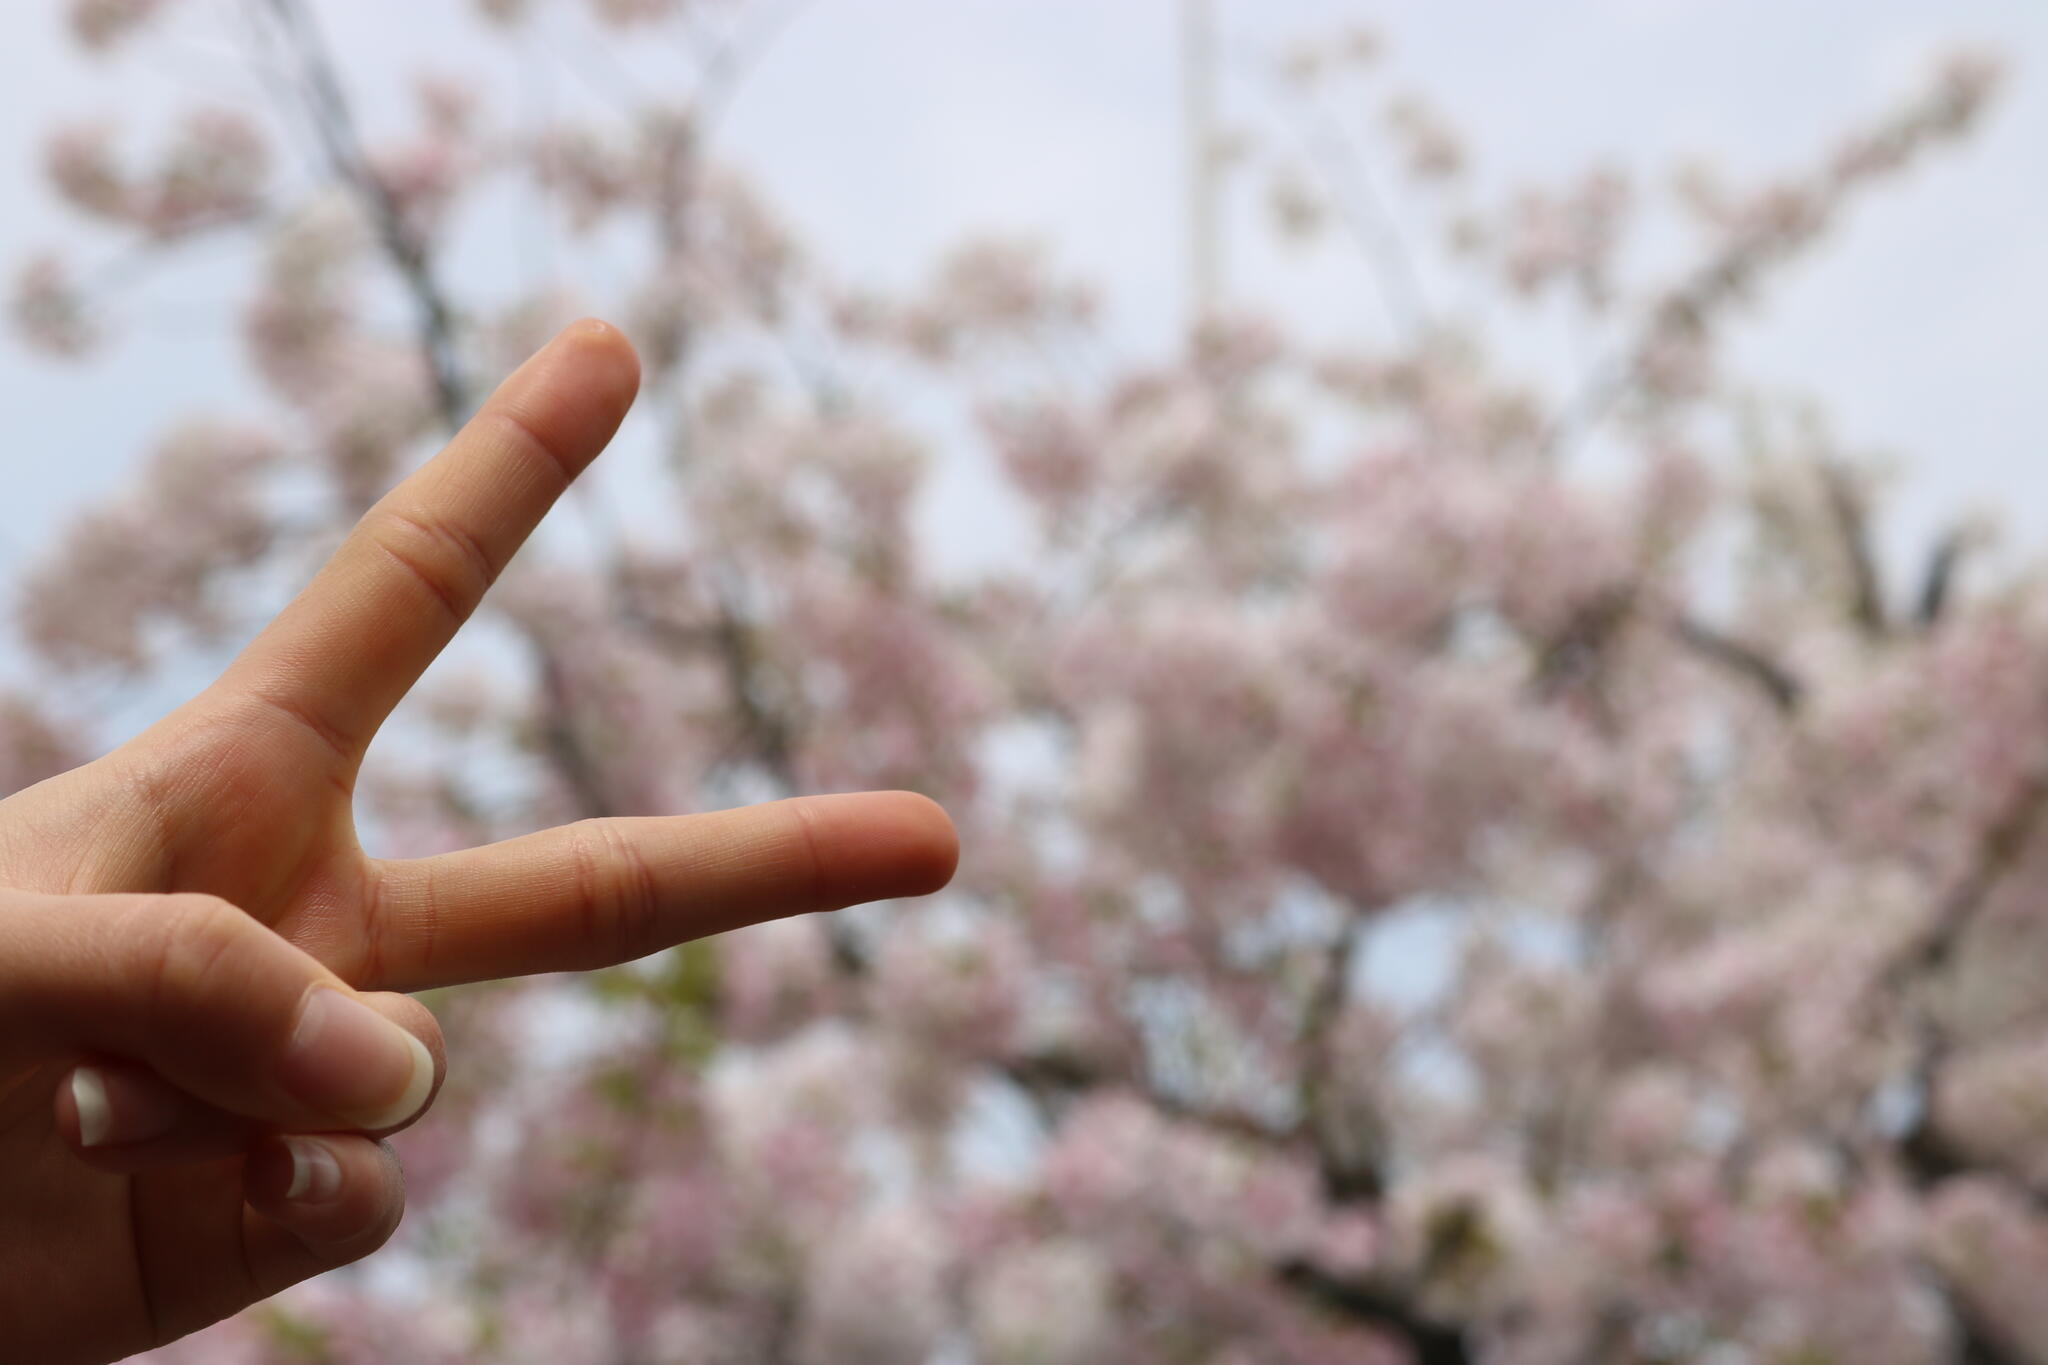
1430 894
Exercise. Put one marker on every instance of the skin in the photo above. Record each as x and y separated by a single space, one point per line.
165 910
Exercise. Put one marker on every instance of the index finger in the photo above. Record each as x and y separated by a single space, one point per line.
355 641
605 891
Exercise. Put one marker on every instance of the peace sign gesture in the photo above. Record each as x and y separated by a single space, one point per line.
196 953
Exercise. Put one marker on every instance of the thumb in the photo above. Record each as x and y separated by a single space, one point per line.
211 1001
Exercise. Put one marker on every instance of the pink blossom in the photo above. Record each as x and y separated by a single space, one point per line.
774 977
1420 887
81 163
874 1294
157 560
959 992
629 12
100 24
1043 1304
48 309
214 170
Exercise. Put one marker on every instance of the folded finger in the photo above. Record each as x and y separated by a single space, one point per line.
122 1117
316 1203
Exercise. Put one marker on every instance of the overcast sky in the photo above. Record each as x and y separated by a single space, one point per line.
886 129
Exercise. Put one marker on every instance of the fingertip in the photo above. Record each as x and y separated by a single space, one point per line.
930 841
574 392
329 1190
352 1063
423 1031
607 351
881 845
82 1107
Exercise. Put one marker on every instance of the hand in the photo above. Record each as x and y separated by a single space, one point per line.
197 958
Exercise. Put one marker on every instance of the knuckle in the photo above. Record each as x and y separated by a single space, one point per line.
524 432
448 562
614 889
807 868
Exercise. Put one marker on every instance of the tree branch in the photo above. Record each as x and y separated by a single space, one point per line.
1777 682
1998 849
559 741
1939 582
1852 524
1364 213
1929 1156
1981 1343
334 122
1349 1168
1430 1341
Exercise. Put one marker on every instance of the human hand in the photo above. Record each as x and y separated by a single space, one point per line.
198 962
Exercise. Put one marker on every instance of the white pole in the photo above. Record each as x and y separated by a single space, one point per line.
1198 92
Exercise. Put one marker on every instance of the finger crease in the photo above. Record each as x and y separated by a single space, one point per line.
814 864
436 586
342 745
376 913
151 1315
529 434
457 537
639 908
583 875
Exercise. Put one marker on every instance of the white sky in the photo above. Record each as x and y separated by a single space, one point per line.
886 129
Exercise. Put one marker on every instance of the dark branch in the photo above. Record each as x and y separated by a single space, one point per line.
1939 583
1575 656
1852 524
1431 1342
1929 1155
1980 1343
1050 1081
334 121
561 745
1348 1161
1053 1081
1777 682
1998 850
765 728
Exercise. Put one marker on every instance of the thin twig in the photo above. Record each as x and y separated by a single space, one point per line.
1347 1175
1852 523
1777 682
1939 582
1342 167
334 120
1430 1341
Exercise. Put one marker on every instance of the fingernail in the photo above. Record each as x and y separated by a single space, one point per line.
348 1060
89 1096
316 1175
116 1107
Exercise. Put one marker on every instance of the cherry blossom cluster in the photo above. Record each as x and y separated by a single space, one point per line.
1427 899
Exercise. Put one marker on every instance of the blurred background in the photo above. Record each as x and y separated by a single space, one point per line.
885 135
1469 574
